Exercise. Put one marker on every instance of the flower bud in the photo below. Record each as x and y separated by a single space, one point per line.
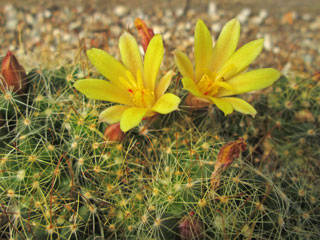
114 133
144 32
14 75
191 227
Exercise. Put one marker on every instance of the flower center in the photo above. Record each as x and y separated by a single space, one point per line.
207 86
210 84
143 98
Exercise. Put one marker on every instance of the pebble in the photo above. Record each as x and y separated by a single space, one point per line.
12 24
306 17
267 42
243 15
216 27
49 29
316 24
258 20
158 29
212 9
167 36
179 12
276 50
47 14
29 19
116 30
120 10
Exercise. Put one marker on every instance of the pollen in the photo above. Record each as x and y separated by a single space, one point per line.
143 98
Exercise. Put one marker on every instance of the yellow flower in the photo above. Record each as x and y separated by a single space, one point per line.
132 84
221 71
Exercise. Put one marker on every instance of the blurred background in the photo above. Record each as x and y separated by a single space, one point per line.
52 32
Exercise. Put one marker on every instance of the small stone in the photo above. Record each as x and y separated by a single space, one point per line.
167 36
267 42
179 12
286 69
116 30
47 14
167 13
315 25
188 26
276 50
306 17
191 13
29 19
12 24
120 10
216 27
289 17
212 9
158 29
261 17
243 15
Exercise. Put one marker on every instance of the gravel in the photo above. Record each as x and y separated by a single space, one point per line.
51 35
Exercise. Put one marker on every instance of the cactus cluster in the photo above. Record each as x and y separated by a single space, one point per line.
61 179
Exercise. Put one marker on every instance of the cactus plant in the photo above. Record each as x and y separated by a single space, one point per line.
60 178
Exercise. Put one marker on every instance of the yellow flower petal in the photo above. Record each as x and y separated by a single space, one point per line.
152 61
226 44
163 84
250 81
112 114
240 105
166 103
202 49
102 90
242 58
223 105
132 117
130 53
184 64
107 65
189 84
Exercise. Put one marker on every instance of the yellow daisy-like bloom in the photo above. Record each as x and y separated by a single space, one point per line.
132 84
221 71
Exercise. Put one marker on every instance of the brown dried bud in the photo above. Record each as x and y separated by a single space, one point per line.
14 75
114 133
226 155
191 227
144 32
229 152
195 102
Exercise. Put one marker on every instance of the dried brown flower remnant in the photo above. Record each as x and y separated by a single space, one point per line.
196 103
191 227
226 155
114 133
144 32
13 74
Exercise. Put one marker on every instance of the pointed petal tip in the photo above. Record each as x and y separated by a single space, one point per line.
200 21
234 21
